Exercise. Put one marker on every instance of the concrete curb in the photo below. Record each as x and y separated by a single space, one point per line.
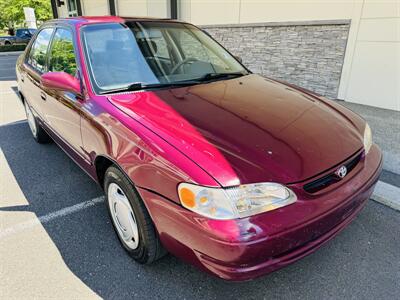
391 162
8 53
387 194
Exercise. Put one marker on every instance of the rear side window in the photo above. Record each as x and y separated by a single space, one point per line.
62 55
38 53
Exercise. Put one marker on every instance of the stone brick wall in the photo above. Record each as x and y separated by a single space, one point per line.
308 55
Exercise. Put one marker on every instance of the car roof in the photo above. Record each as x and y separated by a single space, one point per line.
108 19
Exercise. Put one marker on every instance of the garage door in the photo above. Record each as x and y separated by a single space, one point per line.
375 69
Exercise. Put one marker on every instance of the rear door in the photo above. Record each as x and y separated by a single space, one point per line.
34 67
62 111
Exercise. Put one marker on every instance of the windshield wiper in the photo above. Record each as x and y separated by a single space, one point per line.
210 76
137 86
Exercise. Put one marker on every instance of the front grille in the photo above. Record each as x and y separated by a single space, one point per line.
331 178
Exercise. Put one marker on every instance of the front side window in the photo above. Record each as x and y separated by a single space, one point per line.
152 52
62 55
38 52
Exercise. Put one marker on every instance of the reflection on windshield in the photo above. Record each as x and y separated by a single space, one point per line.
151 53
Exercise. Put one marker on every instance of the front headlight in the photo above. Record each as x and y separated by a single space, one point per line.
234 202
367 138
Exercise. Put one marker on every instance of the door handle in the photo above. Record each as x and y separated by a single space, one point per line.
43 96
22 78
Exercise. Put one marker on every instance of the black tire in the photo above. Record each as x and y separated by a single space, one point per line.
7 43
40 135
149 248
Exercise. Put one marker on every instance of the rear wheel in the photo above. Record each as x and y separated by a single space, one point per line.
130 218
37 131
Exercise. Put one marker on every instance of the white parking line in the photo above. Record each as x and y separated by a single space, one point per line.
49 217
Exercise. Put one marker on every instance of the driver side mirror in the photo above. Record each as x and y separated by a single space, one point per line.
62 81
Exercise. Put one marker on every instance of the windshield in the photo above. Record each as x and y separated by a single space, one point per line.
150 53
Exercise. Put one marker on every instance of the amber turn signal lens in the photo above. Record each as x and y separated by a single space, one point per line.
187 197
203 200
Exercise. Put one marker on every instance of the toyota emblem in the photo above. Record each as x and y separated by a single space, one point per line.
341 172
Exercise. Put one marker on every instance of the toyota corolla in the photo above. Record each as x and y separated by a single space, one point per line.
233 172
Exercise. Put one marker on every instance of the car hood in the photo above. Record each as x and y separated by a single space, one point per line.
249 129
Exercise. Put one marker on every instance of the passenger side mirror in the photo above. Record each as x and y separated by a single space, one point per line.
62 81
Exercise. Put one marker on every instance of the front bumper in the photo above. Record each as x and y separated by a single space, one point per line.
246 248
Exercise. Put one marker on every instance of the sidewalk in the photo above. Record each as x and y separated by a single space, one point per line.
385 126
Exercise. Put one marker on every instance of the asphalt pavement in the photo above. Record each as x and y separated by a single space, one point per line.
57 242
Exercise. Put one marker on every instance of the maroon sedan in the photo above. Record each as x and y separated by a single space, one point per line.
235 173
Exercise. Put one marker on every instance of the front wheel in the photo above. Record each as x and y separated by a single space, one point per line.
37 131
130 218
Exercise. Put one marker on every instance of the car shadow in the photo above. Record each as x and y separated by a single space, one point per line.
51 181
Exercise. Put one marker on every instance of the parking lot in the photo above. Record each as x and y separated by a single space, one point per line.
56 240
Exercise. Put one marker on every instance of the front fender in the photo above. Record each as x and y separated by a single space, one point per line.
148 160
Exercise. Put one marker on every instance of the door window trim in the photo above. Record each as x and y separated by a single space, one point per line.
47 50
74 41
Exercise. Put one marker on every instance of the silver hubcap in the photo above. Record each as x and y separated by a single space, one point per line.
123 216
31 119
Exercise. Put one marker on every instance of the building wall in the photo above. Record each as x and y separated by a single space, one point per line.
95 7
131 7
153 8
206 12
369 71
310 56
62 11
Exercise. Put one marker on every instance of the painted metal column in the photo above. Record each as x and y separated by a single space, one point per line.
174 9
54 8
111 5
79 7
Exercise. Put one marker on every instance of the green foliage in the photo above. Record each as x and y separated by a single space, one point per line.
62 56
12 11
9 48
39 56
